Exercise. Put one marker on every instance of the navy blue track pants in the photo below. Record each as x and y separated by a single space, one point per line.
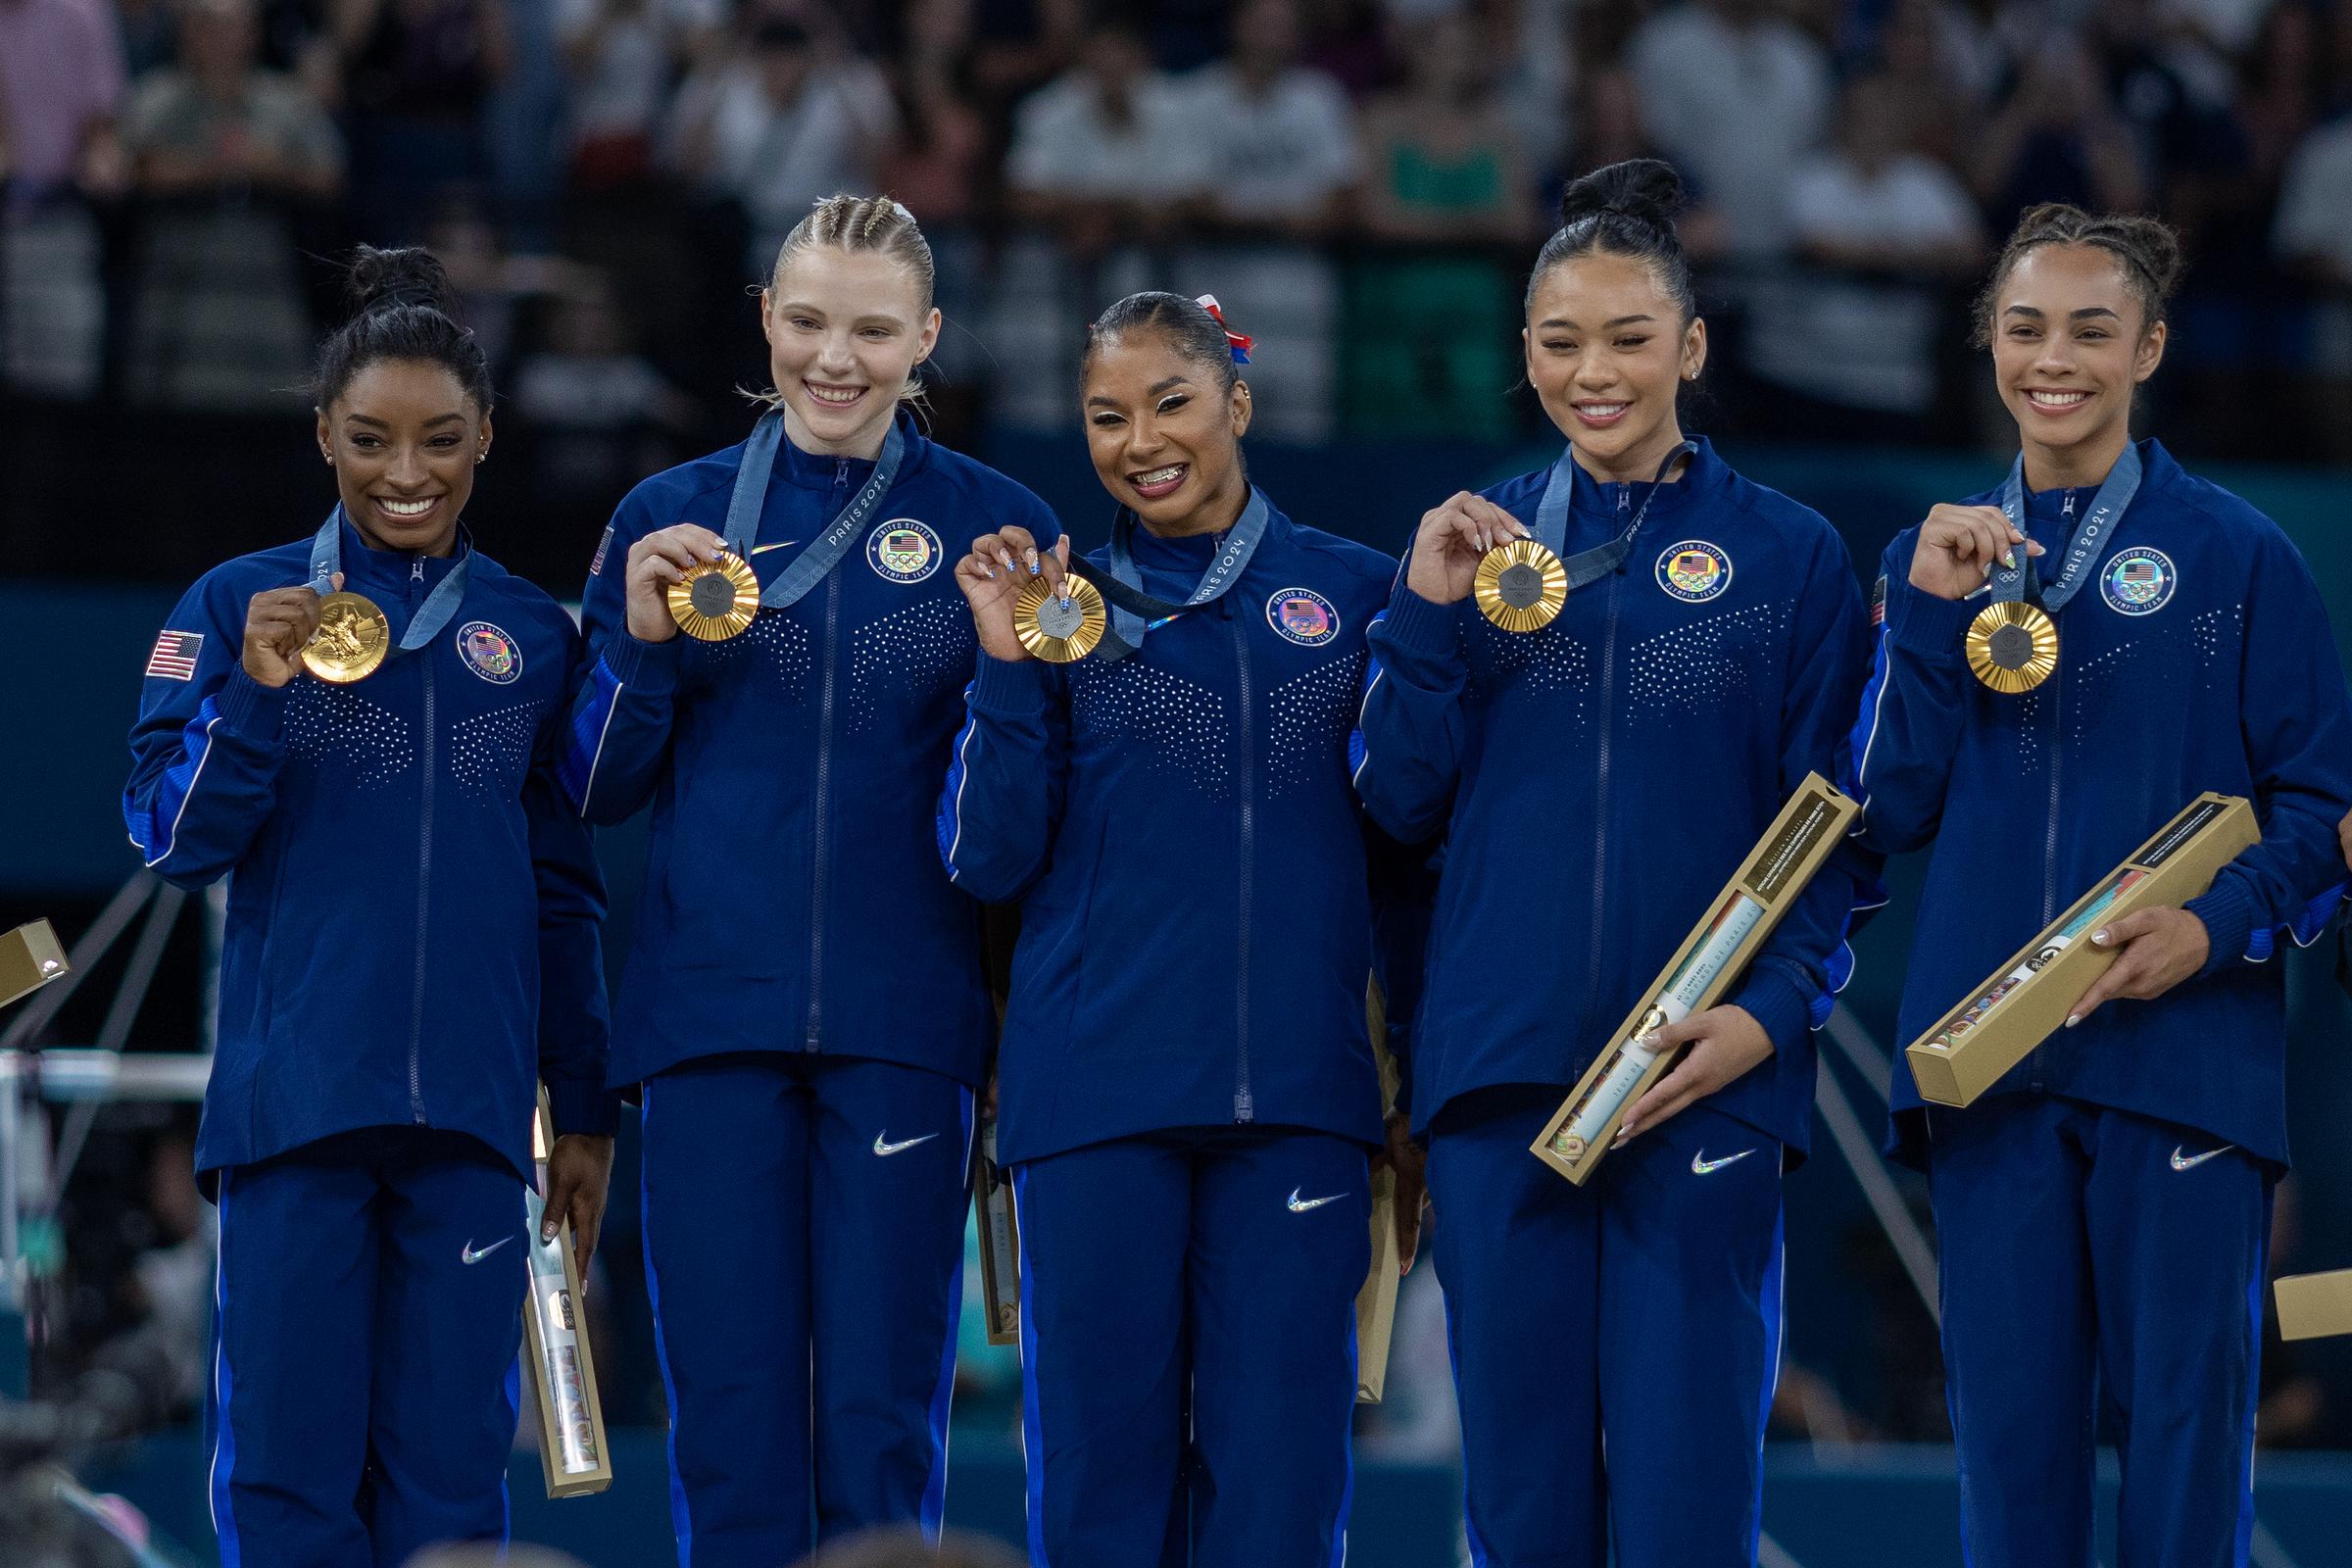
804 1250
367 1319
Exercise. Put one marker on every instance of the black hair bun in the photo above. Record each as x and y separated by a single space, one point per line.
1644 189
381 280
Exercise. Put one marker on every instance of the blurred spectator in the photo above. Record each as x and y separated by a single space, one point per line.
417 78
1891 231
150 33
1608 130
601 415
1444 163
1945 63
780 127
2056 136
1273 139
1735 95
219 145
2313 241
1104 152
624 57
935 166
61 86
1431 340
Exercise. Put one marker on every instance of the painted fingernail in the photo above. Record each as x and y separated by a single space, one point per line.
2073 1019
2099 936
2009 559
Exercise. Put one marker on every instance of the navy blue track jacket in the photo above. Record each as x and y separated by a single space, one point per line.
1198 905
412 905
794 900
1600 780
2196 658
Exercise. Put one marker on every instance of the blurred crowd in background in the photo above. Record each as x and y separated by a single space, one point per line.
1362 181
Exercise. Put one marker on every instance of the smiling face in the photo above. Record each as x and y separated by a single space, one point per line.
845 329
1607 349
403 439
1165 433
2069 348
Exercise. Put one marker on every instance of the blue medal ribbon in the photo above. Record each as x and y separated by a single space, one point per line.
2013 584
824 552
1132 611
1551 519
440 607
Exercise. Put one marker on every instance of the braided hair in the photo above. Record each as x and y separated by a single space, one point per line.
2147 249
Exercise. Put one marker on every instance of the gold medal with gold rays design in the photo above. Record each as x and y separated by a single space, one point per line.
715 601
1520 585
1060 630
2012 647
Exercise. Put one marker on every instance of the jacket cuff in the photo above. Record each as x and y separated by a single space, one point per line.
1776 1003
2228 914
1926 626
580 1106
1417 627
650 669
252 712
1008 685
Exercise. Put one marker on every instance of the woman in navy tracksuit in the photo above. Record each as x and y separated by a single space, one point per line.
804 1006
410 949
2103 1211
1188 1097
1596 780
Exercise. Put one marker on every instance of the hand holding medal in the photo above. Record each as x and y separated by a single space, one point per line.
1026 603
685 578
1459 550
280 628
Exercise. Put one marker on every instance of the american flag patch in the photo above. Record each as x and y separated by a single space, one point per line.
602 544
174 655
1877 603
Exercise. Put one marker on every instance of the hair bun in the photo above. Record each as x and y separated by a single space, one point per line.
383 280
1646 189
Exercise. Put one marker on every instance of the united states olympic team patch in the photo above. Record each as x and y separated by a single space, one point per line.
903 550
1694 571
489 651
2138 582
1304 616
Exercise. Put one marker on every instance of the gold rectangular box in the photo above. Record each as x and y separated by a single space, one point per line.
29 958
573 1453
999 1241
1376 1299
1710 959
2312 1306
2028 997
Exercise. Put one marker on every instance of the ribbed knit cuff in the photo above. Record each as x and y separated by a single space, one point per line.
252 712
1008 685
2228 912
1926 626
1417 627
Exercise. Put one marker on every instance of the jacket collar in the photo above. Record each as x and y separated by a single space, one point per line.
818 470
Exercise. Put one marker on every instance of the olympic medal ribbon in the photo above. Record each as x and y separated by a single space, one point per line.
1132 611
823 552
2012 644
1522 584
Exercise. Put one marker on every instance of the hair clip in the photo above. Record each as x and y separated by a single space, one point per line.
1236 341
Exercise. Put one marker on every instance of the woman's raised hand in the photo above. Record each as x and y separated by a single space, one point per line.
1958 548
657 561
994 572
1452 536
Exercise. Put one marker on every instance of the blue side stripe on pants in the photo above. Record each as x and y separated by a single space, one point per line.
935 1488
225 1441
681 1522
1033 1440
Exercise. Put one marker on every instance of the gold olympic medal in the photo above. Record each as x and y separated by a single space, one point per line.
1056 630
715 601
1520 586
351 639
2012 647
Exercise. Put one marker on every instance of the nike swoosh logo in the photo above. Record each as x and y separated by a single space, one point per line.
2180 1163
466 1254
888 1149
1300 1205
1700 1164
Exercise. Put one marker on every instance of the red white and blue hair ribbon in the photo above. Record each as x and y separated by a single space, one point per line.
1239 343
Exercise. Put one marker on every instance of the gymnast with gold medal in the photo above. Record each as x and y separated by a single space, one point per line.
358 731
1190 1104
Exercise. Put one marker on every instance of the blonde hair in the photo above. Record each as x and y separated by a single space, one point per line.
860 223
863 224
